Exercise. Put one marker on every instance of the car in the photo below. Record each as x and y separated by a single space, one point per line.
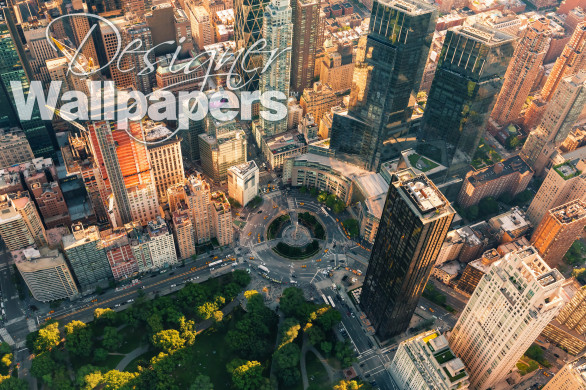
259 211
142 287
367 375
118 305
173 285
171 273
348 313
352 314
130 301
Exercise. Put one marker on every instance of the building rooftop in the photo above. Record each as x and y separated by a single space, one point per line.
344 168
376 204
80 236
570 168
503 168
244 169
569 212
510 221
411 7
280 143
484 34
423 194
371 185
32 259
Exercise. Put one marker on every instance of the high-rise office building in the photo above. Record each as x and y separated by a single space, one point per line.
573 315
122 157
572 376
561 113
140 31
318 100
468 78
184 233
558 230
15 67
221 214
425 362
20 224
248 21
87 258
165 158
337 68
110 41
243 182
201 25
80 26
40 49
222 150
14 148
565 182
195 195
522 71
45 273
308 36
388 71
414 223
278 32
509 308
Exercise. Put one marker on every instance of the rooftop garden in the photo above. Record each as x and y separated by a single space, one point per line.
457 377
444 357
421 162
566 170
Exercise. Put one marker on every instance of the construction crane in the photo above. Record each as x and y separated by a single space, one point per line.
82 64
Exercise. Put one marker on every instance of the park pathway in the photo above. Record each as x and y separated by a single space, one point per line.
130 356
304 349
332 374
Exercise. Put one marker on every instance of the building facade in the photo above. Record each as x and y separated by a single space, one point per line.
571 376
558 230
509 308
463 93
415 221
243 182
14 148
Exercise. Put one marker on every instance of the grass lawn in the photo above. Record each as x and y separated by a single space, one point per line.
526 365
316 370
209 356
239 223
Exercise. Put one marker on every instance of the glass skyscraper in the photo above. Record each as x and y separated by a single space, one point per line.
470 71
12 69
414 223
389 67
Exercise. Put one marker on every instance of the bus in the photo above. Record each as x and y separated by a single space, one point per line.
263 269
331 301
214 263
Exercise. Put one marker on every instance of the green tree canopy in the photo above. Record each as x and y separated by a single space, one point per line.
78 338
202 382
168 340
352 227
48 338
248 376
111 339
42 365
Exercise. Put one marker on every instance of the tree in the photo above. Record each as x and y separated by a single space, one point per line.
293 303
327 318
326 347
218 316
331 200
322 196
100 355
92 381
5 348
313 191
339 206
78 339
6 360
472 212
202 382
287 356
12 383
512 142
111 339
352 227
168 340
82 372
314 334
241 278
290 331
115 379
290 376
48 338
105 316
248 376
344 353
347 385
574 255
303 189
43 365
488 206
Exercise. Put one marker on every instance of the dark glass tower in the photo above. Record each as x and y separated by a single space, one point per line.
469 76
389 69
11 69
248 18
415 221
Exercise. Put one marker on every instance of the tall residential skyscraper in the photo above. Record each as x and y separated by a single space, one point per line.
414 223
571 61
560 115
563 183
80 26
572 376
15 67
558 230
522 71
510 307
165 158
141 32
278 31
308 35
468 78
248 20
388 70
20 224
87 257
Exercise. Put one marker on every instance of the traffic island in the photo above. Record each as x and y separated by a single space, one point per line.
297 252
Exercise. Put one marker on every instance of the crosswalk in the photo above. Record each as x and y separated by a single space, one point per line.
6 337
291 204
